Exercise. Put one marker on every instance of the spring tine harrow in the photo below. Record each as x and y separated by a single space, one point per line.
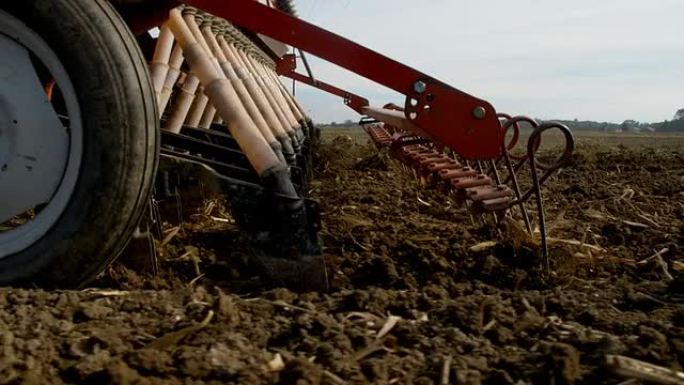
481 188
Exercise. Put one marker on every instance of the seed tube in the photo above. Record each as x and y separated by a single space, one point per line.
227 102
259 104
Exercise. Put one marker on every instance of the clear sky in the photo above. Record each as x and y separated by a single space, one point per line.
604 60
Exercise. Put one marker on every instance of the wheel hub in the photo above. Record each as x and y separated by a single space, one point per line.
37 142
40 149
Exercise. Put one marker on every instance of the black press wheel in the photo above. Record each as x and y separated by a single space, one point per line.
78 140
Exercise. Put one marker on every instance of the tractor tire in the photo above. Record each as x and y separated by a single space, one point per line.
120 143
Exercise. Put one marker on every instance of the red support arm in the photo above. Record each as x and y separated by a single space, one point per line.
353 101
466 124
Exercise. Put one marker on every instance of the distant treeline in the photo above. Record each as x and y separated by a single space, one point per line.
675 125
670 126
590 125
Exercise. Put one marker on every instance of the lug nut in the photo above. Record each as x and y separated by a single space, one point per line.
419 86
479 112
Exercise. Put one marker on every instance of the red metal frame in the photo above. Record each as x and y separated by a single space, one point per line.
466 124
353 101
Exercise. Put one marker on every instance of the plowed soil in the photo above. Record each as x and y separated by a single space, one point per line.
422 293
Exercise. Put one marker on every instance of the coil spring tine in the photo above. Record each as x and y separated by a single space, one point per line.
559 163
540 211
497 178
467 163
495 171
512 170
515 169
203 190
473 191
481 169
154 255
155 214
472 219
516 190
532 148
179 206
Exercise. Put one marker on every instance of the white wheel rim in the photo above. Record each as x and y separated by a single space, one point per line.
40 155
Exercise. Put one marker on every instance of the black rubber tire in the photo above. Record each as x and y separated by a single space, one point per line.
120 144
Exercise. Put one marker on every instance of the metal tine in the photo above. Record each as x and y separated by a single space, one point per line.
563 160
533 144
514 122
519 201
153 254
179 205
481 170
497 178
495 171
155 214
467 204
532 147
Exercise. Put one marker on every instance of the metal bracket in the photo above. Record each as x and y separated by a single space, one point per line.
286 64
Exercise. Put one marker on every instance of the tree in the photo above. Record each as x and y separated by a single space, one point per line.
679 114
629 125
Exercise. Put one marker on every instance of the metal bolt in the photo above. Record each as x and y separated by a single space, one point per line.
419 86
479 112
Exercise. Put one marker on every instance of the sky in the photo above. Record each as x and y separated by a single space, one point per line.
603 60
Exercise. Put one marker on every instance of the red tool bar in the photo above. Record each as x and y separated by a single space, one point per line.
466 124
355 102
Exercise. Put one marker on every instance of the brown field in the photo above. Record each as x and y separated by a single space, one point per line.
422 292
584 138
